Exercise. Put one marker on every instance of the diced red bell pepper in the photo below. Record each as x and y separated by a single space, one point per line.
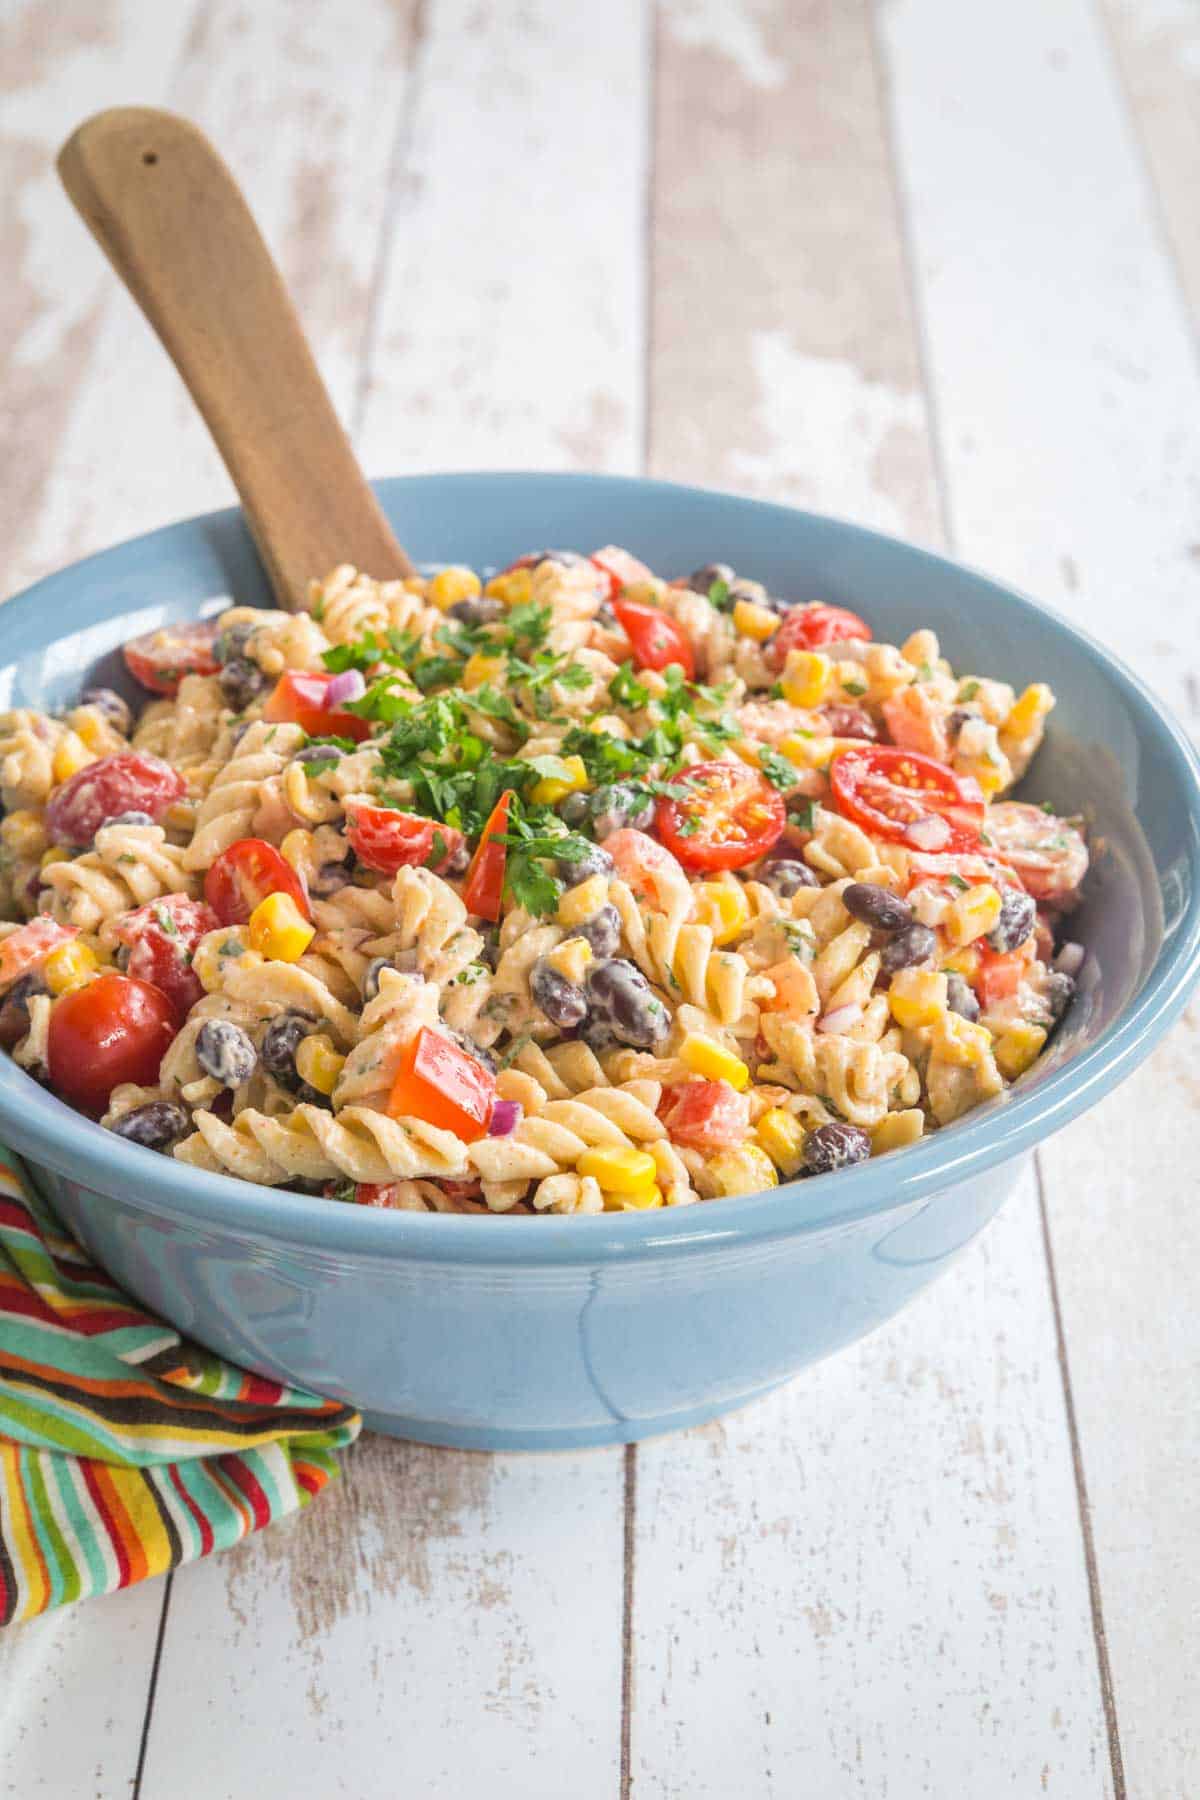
438 1082
299 698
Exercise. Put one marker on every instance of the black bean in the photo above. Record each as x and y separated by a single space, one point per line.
331 877
915 944
490 953
457 861
116 710
279 1044
14 1010
621 996
594 861
832 1147
574 810
605 617
616 806
156 1125
560 1000
850 722
602 931
1018 916
476 612
241 682
786 875
876 906
960 996
231 643
311 1096
128 818
700 580
958 718
1059 993
321 754
374 970
226 1052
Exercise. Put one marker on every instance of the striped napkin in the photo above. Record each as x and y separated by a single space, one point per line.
124 1449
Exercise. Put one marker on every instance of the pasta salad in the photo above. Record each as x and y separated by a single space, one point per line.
574 890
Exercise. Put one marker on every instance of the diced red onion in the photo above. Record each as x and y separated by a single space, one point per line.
841 1019
931 833
506 1116
1070 959
348 686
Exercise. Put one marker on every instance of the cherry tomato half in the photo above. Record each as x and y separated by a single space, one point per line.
161 937
620 569
127 782
656 639
160 659
113 1030
729 816
25 949
387 840
704 1115
1048 853
907 798
438 1082
299 698
244 875
485 878
812 627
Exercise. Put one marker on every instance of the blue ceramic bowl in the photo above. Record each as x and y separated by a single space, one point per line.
557 1332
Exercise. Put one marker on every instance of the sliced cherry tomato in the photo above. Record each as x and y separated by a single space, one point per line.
113 1030
907 798
299 698
1048 853
704 1115
656 639
160 659
621 570
244 875
162 936
127 782
729 816
25 949
999 973
438 1082
812 627
485 878
387 841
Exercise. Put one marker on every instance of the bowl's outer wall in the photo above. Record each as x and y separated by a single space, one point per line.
588 1338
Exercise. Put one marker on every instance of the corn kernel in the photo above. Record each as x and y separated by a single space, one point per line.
704 1056
643 1201
71 755
571 958
897 1129
973 914
747 1170
618 1170
959 1040
582 901
782 1137
56 853
991 776
92 729
723 907
451 585
296 849
1029 710
481 669
757 622
1018 1047
70 966
808 752
318 1063
806 677
513 588
414 584
570 777
917 997
278 929
964 962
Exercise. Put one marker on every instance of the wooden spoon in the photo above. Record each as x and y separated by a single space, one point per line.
174 225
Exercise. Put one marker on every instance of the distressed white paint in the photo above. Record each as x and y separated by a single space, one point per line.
511 331
734 33
1073 446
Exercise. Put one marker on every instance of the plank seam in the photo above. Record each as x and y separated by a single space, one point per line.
152 1688
651 223
1099 1634
627 1643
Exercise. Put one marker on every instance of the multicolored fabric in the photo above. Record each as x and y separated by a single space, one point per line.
124 1449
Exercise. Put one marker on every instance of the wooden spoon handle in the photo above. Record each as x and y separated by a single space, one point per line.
173 222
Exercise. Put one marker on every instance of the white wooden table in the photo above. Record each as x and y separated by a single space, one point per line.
934 266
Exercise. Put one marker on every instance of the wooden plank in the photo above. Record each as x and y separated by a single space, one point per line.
445 1623
435 1587
873 1582
1073 458
1158 57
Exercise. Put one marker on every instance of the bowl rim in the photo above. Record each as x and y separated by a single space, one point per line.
83 1151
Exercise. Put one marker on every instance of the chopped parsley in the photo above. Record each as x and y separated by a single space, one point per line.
803 814
857 688
778 770
718 595
968 690
956 881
